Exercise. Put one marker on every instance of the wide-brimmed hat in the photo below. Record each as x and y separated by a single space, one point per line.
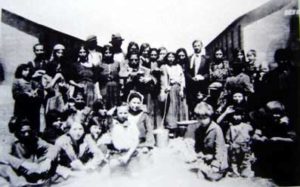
116 37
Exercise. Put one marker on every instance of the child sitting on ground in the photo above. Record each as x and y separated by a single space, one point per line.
101 137
125 136
99 116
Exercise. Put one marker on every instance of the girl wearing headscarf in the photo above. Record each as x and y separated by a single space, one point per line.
57 63
141 119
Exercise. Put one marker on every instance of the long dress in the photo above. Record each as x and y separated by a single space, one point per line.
109 83
154 107
176 108
84 74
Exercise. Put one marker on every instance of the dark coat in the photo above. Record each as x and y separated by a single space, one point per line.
202 70
193 87
25 105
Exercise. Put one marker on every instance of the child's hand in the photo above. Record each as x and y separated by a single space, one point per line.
64 126
79 85
199 78
207 157
260 138
45 165
4 158
276 139
57 124
229 110
172 81
181 94
219 110
99 97
200 155
38 73
91 166
264 138
29 94
284 120
124 159
168 89
144 150
146 79
77 165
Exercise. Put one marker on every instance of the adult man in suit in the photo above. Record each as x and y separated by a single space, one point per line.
197 74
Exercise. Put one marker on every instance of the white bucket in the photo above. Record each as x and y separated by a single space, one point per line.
162 137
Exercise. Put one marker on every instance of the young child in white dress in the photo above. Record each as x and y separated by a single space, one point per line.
124 135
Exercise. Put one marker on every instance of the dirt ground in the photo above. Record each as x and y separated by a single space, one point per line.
6 111
165 169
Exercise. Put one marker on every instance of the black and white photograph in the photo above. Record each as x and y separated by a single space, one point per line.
140 93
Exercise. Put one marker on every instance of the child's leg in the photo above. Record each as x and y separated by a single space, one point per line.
209 172
246 165
6 172
234 170
234 160
246 161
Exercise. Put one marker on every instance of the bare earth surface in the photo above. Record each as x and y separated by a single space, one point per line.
6 110
165 168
